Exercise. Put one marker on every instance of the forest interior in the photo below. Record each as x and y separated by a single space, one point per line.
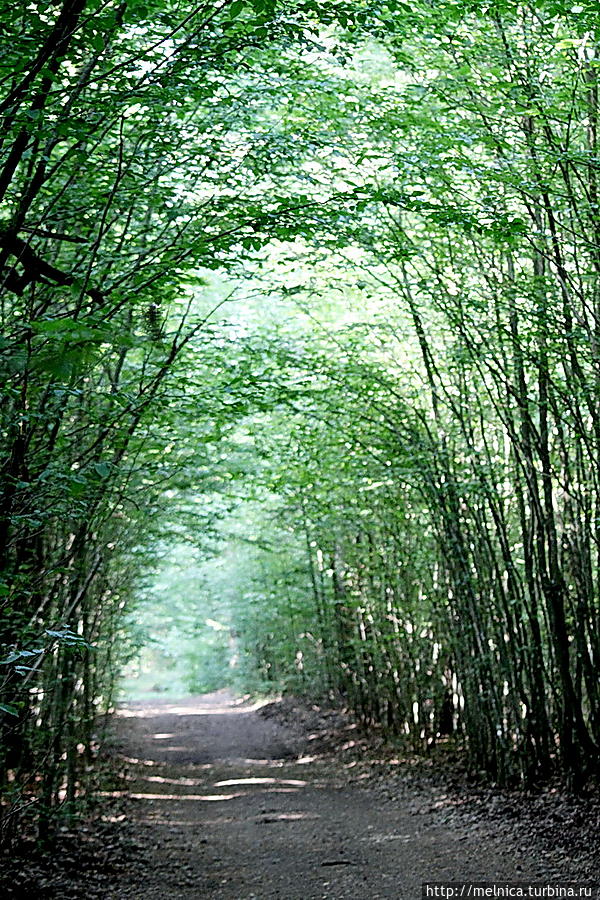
300 447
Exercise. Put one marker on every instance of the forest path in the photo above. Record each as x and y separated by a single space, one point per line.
227 804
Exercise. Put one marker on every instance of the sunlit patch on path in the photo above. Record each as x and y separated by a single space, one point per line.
219 703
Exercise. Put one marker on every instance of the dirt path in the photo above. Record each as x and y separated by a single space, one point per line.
231 805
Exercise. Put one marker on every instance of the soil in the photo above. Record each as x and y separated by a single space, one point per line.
222 798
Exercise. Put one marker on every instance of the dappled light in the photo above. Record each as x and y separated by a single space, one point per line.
187 709
289 781
183 782
294 817
299 446
241 823
135 795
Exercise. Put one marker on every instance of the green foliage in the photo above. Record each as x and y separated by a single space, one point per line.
180 625
135 155
318 281
437 452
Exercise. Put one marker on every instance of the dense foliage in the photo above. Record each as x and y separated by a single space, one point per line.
402 431
442 461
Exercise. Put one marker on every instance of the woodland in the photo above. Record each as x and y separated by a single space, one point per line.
300 370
